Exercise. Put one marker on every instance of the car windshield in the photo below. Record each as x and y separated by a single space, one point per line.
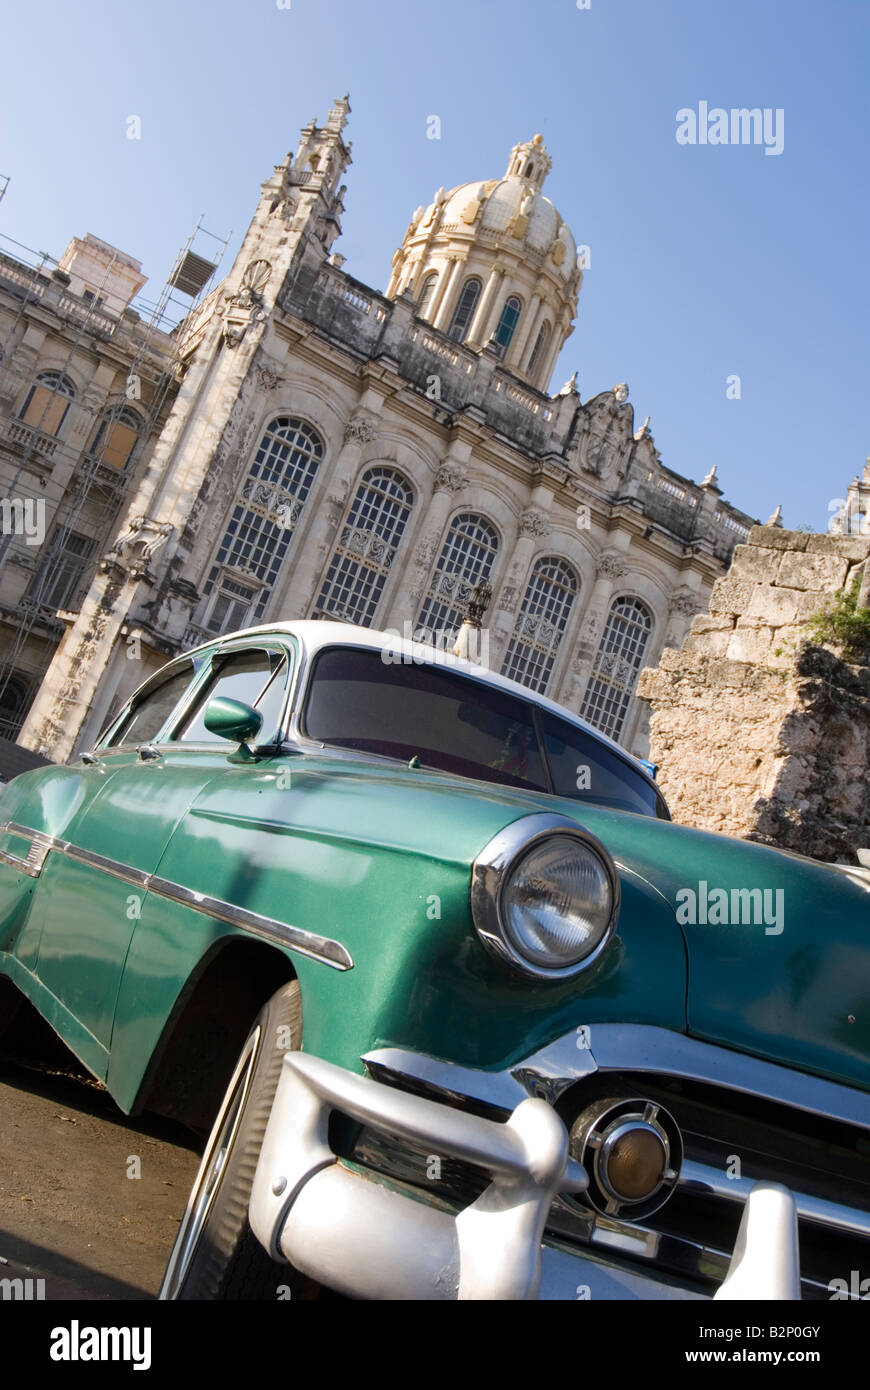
375 703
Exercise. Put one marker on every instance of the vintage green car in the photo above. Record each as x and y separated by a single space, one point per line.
476 1019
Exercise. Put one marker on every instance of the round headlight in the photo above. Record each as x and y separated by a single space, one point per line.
545 896
557 903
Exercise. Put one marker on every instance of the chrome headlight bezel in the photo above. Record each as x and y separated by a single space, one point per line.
491 872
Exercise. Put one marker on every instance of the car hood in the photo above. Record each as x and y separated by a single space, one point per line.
777 945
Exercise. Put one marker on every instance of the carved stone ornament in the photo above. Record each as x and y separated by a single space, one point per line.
620 393
610 566
256 276
595 457
425 551
450 479
246 306
240 311
267 377
359 431
135 547
534 523
684 602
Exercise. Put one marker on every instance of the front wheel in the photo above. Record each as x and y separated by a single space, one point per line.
216 1254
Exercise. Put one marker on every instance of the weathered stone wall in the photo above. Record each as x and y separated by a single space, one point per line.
757 732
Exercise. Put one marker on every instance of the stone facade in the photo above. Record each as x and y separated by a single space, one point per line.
757 732
330 450
85 388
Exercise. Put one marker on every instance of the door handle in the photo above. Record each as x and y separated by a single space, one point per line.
149 754
90 759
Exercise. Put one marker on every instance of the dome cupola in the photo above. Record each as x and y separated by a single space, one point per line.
494 266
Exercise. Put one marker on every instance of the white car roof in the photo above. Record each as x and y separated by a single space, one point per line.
315 634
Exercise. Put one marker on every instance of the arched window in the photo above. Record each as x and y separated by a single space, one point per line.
507 325
262 524
466 558
540 344
541 623
620 657
48 402
426 293
464 311
376 522
117 437
15 696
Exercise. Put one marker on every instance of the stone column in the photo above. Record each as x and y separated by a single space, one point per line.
476 332
533 524
440 317
489 324
450 480
684 604
316 545
528 325
558 338
610 568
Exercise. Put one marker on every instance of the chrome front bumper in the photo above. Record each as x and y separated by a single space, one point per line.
370 1240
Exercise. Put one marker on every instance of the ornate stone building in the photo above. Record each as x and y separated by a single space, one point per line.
322 448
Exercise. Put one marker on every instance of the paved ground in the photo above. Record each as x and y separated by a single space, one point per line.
69 1212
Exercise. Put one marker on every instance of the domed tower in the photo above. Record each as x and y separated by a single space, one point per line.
494 266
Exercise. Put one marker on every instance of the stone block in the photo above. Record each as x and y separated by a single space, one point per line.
712 622
778 538
812 571
750 644
725 674
809 602
854 548
731 595
707 643
776 606
669 659
783 651
756 563
654 685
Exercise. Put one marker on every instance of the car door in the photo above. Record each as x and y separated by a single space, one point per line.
102 894
86 907
158 757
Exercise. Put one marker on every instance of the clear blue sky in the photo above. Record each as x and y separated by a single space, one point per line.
706 260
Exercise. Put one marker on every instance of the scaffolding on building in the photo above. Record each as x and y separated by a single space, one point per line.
99 487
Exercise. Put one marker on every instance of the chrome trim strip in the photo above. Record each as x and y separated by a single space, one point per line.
32 871
642 1048
322 948
49 841
137 878
40 844
637 1048
700 1177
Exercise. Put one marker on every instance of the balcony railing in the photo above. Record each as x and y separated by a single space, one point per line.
31 439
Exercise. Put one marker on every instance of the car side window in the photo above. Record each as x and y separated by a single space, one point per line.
586 770
149 711
255 677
